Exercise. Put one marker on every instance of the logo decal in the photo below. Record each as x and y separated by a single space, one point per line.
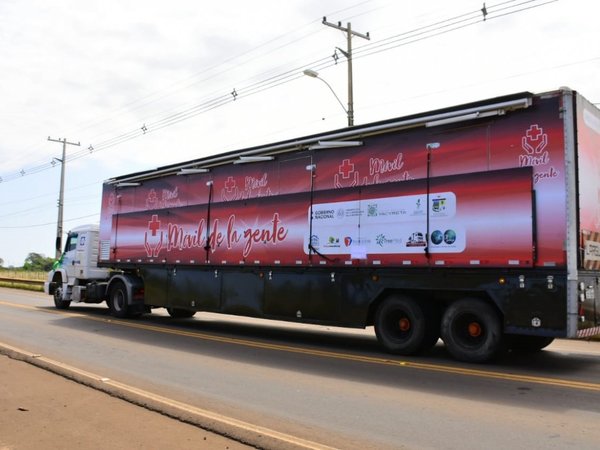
534 144
438 204
346 172
154 241
372 210
535 140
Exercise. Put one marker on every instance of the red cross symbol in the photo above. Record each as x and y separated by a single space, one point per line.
535 140
152 196
534 132
346 168
154 224
229 184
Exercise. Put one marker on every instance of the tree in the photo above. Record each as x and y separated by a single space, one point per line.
1 262
37 262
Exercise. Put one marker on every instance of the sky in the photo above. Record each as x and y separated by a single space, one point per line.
143 83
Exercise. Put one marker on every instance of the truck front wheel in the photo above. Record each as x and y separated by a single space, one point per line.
406 326
472 330
59 303
117 300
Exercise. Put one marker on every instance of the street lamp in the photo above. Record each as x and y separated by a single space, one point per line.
314 74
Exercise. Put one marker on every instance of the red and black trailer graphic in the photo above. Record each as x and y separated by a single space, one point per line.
494 203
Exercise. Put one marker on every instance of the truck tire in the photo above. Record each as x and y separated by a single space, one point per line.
180 313
117 300
472 330
528 344
59 303
405 326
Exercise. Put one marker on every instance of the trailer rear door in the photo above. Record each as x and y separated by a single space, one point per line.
588 189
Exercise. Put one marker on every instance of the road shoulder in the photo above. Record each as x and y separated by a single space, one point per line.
39 409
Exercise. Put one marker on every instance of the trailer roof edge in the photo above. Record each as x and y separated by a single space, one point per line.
507 102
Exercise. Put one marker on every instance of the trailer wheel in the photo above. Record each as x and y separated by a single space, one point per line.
180 313
117 300
528 344
472 330
405 326
59 303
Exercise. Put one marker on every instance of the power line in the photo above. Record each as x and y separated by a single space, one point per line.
155 96
392 42
166 92
74 188
249 90
48 223
211 104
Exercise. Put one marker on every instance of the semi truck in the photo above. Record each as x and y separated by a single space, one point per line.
478 224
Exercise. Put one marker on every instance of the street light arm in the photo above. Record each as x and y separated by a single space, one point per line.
334 94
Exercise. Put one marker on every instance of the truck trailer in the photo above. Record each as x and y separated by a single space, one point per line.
478 224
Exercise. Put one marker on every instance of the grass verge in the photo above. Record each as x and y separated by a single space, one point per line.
17 285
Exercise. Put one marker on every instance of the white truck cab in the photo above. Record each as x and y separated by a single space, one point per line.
77 267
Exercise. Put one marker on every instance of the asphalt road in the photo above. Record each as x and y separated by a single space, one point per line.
332 386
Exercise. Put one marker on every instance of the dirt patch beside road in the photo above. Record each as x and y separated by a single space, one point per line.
39 409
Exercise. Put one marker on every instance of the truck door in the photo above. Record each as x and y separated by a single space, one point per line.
69 256
588 214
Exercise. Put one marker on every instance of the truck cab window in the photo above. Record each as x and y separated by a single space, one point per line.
71 243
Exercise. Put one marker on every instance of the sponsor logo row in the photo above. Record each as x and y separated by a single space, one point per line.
415 239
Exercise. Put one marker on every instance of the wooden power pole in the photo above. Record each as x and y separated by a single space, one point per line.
61 195
348 54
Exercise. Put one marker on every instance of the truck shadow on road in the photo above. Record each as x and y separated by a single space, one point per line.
351 355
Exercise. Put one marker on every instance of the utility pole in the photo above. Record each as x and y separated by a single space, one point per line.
348 54
61 195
